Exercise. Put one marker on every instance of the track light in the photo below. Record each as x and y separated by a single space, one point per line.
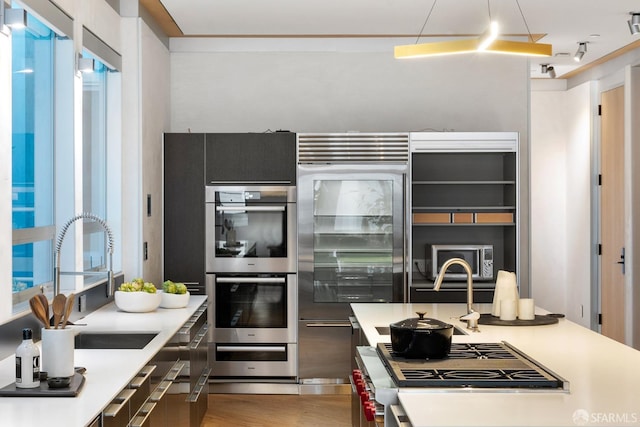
85 65
582 48
548 69
12 18
552 71
634 23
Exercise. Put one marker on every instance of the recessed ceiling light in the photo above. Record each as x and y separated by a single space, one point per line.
594 36
562 54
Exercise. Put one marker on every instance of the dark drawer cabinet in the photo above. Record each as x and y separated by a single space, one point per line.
184 242
261 158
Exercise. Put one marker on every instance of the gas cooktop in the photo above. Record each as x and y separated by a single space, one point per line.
478 365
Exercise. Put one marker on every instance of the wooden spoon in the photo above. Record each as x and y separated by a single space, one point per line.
45 305
67 310
38 310
59 302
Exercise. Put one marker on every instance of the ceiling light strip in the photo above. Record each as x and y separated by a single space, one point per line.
472 45
436 48
520 48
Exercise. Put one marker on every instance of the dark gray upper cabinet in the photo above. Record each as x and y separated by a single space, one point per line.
184 216
260 158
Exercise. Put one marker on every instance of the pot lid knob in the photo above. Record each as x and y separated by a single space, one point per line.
421 314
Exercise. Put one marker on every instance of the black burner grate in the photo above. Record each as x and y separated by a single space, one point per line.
484 365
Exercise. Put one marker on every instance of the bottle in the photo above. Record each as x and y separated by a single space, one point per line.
27 362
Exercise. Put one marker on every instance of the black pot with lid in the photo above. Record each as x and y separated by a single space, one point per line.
421 338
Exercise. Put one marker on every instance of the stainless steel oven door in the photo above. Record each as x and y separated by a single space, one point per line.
254 360
251 229
260 308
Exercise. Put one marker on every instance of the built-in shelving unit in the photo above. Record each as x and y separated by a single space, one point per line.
464 190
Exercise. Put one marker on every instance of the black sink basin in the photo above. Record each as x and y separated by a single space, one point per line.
385 330
113 340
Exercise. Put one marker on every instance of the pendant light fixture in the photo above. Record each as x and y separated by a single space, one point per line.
487 42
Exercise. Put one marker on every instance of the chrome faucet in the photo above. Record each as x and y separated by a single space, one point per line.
472 316
60 239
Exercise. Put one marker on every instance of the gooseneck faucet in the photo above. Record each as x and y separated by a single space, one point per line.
60 239
472 316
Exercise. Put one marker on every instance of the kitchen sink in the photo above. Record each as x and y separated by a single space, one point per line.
386 330
113 340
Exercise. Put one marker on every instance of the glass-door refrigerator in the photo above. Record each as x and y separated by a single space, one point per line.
351 245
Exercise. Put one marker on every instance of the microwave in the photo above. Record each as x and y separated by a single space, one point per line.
479 257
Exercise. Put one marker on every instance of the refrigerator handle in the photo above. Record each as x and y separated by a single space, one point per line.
406 270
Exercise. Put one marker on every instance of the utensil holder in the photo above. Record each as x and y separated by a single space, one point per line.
57 352
231 237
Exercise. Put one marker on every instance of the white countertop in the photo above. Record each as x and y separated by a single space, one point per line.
108 371
604 375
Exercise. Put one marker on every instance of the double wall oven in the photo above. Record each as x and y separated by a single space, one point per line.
251 247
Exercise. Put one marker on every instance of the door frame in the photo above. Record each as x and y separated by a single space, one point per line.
630 79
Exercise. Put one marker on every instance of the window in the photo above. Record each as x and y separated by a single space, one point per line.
32 82
94 162
65 155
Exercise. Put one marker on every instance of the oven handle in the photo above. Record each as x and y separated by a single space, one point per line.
247 348
278 208
250 279
252 183
328 325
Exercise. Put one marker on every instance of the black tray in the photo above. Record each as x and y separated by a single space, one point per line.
44 390
488 319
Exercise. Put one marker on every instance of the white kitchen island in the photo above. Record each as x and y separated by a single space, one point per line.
107 371
603 375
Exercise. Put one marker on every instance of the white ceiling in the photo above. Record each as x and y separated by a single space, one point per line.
564 23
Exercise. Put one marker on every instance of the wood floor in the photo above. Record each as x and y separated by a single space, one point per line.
259 410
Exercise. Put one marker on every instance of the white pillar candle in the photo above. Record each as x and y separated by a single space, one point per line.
526 309
507 309
506 288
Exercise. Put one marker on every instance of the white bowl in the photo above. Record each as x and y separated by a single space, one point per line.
174 300
137 302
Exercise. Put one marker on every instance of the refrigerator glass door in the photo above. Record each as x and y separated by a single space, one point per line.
352 240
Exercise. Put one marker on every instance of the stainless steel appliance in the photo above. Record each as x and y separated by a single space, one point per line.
251 249
473 365
481 367
479 258
351 241
255 325
250 229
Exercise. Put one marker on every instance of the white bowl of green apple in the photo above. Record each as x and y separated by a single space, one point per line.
174 295
137 296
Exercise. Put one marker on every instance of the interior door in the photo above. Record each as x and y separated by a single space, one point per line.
612 214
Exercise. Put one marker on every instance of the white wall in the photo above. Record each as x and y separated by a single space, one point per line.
344 91
145 116
560 186
154 97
